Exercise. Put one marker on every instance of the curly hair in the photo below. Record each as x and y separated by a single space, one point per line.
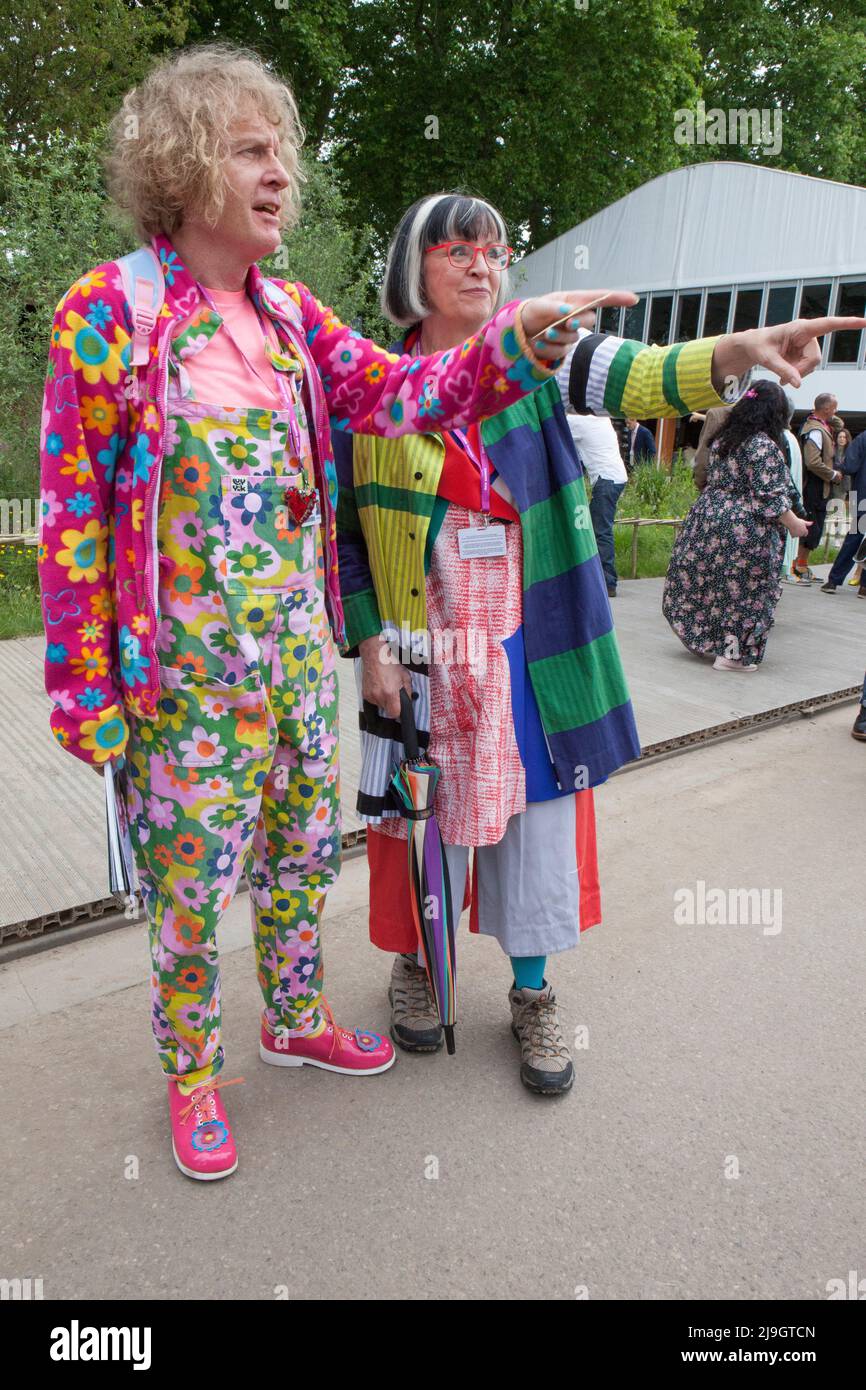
170 139
765 409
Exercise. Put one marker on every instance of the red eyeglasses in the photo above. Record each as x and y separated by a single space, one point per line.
461 254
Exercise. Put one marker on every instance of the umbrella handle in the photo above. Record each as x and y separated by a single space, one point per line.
407 726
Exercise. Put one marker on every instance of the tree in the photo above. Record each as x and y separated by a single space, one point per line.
65 64
306 43
548 110
809 61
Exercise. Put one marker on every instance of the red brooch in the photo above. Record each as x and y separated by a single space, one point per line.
301 503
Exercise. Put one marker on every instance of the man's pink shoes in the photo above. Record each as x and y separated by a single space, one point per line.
334 1049
201 1136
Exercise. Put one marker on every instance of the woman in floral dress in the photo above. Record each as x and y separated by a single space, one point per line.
723 581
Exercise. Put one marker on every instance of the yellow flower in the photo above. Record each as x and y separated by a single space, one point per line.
98 413
90 353
173 720
102 604
92 664
84 555
94 281
80 464
138 513
105 737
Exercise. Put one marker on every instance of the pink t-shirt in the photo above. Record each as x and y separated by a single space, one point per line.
218 374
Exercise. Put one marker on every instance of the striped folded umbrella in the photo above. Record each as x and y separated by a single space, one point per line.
415 783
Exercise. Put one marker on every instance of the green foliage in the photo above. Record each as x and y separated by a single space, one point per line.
55 224
651 491
332 260
20 613
67 63
807 60
549 111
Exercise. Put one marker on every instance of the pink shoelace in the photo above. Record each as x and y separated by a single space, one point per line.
199 1097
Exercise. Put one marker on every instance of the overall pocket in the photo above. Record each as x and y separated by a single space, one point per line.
265 544
205 723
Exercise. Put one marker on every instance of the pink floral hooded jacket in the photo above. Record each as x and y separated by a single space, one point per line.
103 442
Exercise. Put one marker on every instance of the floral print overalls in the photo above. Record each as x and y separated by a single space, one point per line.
239 771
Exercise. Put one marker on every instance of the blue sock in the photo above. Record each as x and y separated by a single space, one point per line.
528 971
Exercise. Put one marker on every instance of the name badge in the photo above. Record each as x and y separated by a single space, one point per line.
481 542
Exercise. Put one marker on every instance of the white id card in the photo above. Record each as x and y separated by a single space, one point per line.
481 542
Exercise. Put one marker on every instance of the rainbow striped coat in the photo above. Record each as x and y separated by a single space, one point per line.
388 514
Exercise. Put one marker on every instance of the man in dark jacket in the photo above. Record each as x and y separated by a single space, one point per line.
854 464
640 442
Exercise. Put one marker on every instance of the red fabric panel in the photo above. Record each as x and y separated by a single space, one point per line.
391 926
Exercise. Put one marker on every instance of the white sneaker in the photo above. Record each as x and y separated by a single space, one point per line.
724 663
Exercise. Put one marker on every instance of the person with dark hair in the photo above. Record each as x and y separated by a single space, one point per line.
818 442
641 444
722 584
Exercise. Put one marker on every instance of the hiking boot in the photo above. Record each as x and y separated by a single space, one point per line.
859 730
546 1066
415 1023
201 1137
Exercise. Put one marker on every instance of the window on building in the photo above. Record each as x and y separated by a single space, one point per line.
661 309
688 314
609 320
747 312
850 299
716 312
635 317
814 302
780 304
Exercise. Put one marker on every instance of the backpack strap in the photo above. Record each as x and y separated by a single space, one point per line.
144 287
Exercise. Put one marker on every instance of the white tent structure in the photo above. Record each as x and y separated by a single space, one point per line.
721 246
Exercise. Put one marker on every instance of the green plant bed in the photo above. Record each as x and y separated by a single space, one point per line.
20 611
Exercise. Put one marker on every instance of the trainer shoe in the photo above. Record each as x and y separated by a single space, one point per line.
803 576
546 1066
201 1138
333 1049
725 663
415 1023
859 730
828 588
